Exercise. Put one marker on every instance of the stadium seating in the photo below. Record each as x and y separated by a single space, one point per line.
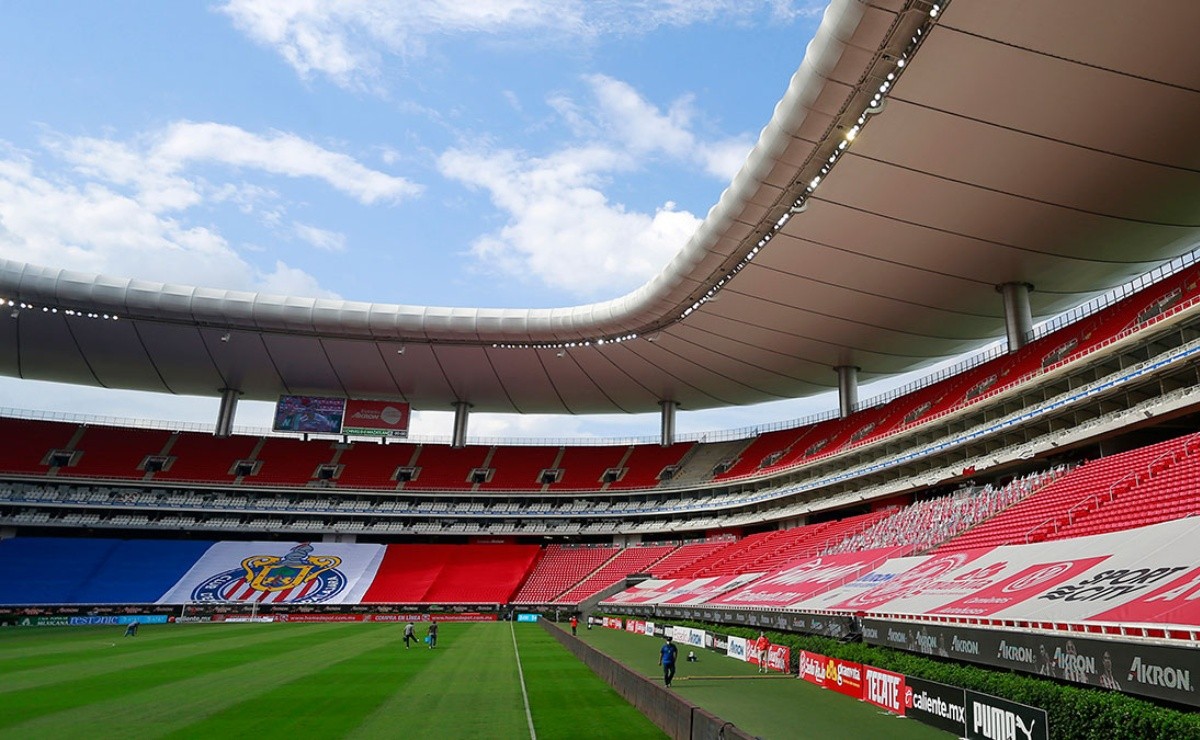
518 467
290 461
1088 499
628 561
764 452
448 468
114 452
369 465
924 525
26 443
559 570
681 560
583 467
646 462
203 457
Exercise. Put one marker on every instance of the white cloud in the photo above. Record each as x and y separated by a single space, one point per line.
92 228
119 209
635 122
155 164
286 280
279 153
348 40
563 230
326 241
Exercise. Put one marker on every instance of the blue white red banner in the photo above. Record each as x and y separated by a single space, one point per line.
278 573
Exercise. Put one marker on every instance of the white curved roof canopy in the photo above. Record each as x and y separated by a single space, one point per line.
1049 143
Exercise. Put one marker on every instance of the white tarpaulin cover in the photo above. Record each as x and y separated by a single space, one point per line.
679 591
279 572
1144 575
799 580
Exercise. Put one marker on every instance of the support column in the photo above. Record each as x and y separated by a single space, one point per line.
847 389
667 427
1018 320
462 410
225 414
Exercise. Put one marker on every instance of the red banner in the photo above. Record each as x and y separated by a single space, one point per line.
812 667
779 658
884 689
844 677
376 418
457 617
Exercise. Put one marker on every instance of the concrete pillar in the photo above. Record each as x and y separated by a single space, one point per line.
667 427
847 389
227 411
462 410
1018 320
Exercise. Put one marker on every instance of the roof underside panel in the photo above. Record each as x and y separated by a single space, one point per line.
48 350
114 352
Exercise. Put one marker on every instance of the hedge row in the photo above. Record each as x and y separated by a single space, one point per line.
1073 712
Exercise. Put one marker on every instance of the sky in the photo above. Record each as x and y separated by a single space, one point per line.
496 153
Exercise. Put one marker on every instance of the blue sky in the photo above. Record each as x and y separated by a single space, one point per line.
491 153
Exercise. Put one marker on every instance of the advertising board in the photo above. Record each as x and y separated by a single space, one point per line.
376 418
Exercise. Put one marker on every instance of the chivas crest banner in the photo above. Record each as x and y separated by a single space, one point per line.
279 572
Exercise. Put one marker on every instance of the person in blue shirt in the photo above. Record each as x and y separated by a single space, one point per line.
666 658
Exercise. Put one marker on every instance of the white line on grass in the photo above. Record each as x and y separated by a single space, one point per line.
521 674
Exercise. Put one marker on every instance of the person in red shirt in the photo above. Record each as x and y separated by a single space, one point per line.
761 645
574 623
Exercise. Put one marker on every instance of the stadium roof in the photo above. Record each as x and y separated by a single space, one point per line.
922 156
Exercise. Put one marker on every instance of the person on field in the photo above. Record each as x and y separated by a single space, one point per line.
131 629
574 624
666 658
431 638
761 646
410 634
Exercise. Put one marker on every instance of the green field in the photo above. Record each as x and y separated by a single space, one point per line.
357 680
770 706
319 680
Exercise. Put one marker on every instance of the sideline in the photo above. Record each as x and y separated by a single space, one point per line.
521 674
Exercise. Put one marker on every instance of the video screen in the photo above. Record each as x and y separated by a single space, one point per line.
309 414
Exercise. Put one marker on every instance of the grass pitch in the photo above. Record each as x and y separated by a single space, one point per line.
303 680
771 706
